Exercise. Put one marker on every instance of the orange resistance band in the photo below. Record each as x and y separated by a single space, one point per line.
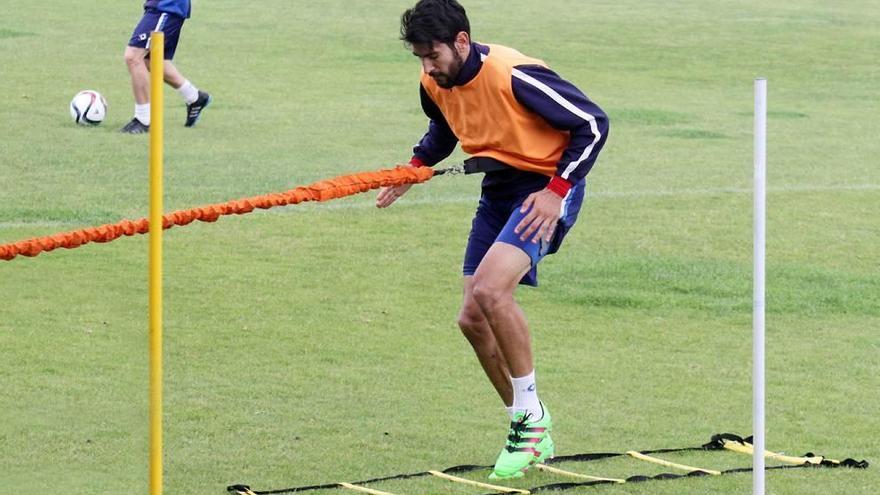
325 190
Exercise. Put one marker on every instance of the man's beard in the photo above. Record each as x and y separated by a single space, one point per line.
447 80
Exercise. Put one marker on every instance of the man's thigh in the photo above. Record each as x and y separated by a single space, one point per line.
503 268
492 218
489 219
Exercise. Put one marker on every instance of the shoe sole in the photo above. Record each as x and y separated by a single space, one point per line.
138 130
518 474
194 122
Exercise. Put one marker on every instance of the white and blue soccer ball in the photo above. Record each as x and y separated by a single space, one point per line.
88 108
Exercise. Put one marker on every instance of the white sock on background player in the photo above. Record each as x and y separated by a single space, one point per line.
142 113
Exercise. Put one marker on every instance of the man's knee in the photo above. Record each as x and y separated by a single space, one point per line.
134 55
473 324
488 296
468 322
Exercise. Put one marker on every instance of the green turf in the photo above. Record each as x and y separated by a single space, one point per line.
317 343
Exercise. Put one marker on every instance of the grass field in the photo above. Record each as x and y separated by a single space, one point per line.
317 343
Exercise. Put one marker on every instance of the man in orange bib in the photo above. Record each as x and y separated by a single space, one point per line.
536 136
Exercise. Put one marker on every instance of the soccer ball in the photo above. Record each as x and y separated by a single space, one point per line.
88 108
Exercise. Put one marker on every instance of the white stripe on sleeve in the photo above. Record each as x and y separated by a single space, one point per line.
558 98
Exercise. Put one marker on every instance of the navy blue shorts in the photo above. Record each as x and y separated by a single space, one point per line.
154 20
495 220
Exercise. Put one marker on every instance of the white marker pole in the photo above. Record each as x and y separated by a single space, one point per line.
758 295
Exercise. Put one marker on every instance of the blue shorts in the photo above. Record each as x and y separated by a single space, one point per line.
154 20
495 220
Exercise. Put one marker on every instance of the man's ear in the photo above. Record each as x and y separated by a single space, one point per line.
462 42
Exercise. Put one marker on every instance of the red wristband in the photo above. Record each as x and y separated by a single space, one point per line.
559 186
415 162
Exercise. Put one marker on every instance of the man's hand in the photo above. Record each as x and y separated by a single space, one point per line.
543 209
388 195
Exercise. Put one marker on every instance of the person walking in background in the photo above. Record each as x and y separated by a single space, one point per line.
167 16
536 136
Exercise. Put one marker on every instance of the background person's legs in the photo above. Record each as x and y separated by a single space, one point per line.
140 74
136 54
140 86
173 77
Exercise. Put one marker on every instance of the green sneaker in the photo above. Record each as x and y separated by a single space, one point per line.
524 443
546 450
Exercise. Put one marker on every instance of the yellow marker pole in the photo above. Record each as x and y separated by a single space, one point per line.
157 69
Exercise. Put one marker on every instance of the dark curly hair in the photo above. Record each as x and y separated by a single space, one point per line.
433 20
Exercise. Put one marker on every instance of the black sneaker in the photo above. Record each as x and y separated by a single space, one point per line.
135 127
194 109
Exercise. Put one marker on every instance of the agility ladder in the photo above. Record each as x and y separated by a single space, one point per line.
722 441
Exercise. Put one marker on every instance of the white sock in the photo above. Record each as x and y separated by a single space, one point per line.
142 113
525 396
510 412
188 92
